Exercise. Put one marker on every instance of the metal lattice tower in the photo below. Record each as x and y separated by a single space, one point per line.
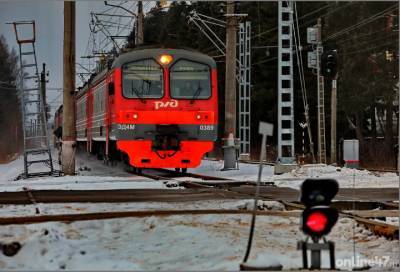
321 112
285 83
244 86
36 141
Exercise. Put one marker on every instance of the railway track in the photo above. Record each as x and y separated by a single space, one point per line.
162 174
126 214
174 179
379 228
203 192
203 187
384 200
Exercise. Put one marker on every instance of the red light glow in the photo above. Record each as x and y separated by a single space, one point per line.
317 221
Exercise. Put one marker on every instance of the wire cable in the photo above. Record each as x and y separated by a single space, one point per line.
366 49
256 196
302 79
306 15
362 23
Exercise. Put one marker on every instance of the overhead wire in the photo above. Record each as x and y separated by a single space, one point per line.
299 58
363 43
342 41
350 28
92 44
367 49
126 25
362 23
296 30
330 12
306 15
105 25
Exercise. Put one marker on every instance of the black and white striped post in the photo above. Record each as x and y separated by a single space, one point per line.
303 126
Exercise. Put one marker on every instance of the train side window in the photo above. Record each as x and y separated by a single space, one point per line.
190 80
142 79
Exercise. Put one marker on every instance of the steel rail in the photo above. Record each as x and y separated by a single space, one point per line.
197 191
20 220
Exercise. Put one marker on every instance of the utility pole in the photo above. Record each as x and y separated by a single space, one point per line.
321 103
139 24
230 73
43 82
333 120
68 132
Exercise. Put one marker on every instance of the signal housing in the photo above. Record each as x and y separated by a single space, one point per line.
329 61
316 195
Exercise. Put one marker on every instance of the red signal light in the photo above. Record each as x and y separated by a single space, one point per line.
317 221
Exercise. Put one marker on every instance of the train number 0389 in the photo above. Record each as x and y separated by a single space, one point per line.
206 127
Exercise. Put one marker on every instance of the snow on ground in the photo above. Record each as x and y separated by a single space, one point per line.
206 242
92 173
345 176
202 242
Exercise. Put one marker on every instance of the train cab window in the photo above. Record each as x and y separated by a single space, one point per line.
190 80
142 79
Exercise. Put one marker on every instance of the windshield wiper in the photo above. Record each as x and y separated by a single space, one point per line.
134 90
196 94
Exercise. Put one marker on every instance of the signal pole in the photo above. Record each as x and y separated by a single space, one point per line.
139 25
230 73
43 82
68 132
333 120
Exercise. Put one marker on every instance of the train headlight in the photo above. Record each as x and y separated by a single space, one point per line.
165 59
198 116
135 116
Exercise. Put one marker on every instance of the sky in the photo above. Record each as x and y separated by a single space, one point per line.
48 15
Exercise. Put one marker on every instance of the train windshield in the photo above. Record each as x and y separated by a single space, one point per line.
142 79
190 80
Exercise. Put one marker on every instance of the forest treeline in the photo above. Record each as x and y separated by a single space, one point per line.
363 33
10 115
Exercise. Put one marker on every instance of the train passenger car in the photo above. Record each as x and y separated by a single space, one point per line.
158 107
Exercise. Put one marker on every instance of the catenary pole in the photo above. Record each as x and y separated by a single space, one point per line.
139 25
230 74
68 132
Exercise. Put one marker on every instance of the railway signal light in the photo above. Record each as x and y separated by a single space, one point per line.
329 64
317 219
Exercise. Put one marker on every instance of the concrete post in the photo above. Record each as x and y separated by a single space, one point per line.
230 74
69 133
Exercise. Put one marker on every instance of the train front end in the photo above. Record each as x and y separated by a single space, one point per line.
166 107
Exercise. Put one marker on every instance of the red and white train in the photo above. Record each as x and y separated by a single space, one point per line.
158 107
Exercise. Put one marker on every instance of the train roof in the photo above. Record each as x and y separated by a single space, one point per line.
156 52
